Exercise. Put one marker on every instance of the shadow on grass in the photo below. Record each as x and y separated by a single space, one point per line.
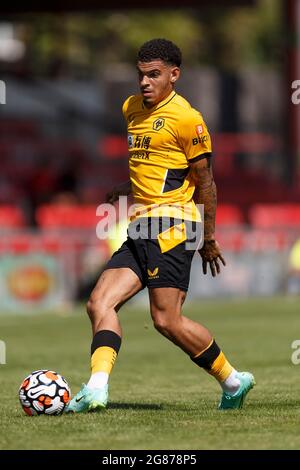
133 406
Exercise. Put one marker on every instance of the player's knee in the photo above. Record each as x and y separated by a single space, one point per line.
91 307
163 323
96 308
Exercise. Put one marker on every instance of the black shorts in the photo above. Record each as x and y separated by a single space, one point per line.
160 256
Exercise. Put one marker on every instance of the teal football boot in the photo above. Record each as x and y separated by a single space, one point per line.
88 399
236 401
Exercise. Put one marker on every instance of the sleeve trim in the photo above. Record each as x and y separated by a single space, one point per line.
200 157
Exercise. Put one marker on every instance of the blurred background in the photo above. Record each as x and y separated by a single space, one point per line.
65 72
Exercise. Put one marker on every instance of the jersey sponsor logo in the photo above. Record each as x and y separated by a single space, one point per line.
153 274
199 129
139 154
158 124
142 141
200 140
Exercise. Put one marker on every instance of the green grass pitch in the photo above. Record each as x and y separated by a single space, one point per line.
159 399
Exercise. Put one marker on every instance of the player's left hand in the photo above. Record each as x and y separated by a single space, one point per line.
211 254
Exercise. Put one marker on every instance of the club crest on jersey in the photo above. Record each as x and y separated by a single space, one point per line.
158 124
199 129
130 141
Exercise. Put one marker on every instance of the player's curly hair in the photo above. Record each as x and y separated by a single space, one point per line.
162 49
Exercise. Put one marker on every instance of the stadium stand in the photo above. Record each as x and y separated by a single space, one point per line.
266 216
56 216
229 215
11 217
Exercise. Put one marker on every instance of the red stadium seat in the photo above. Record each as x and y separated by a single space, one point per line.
274 215
113 146
67 216
11 217
84 216
229 214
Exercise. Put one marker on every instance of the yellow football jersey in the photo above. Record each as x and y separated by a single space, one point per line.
162 141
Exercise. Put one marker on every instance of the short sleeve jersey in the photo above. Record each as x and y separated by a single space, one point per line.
162 142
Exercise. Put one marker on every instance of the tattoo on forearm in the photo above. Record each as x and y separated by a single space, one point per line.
209 199
207 195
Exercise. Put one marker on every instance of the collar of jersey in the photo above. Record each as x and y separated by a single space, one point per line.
161 103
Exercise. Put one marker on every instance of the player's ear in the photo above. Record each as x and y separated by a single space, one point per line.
175 74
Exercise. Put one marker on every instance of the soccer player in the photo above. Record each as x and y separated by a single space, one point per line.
170 169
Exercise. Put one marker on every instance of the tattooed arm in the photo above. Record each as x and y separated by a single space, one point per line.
206 194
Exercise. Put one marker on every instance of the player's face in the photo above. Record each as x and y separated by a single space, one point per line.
156 80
